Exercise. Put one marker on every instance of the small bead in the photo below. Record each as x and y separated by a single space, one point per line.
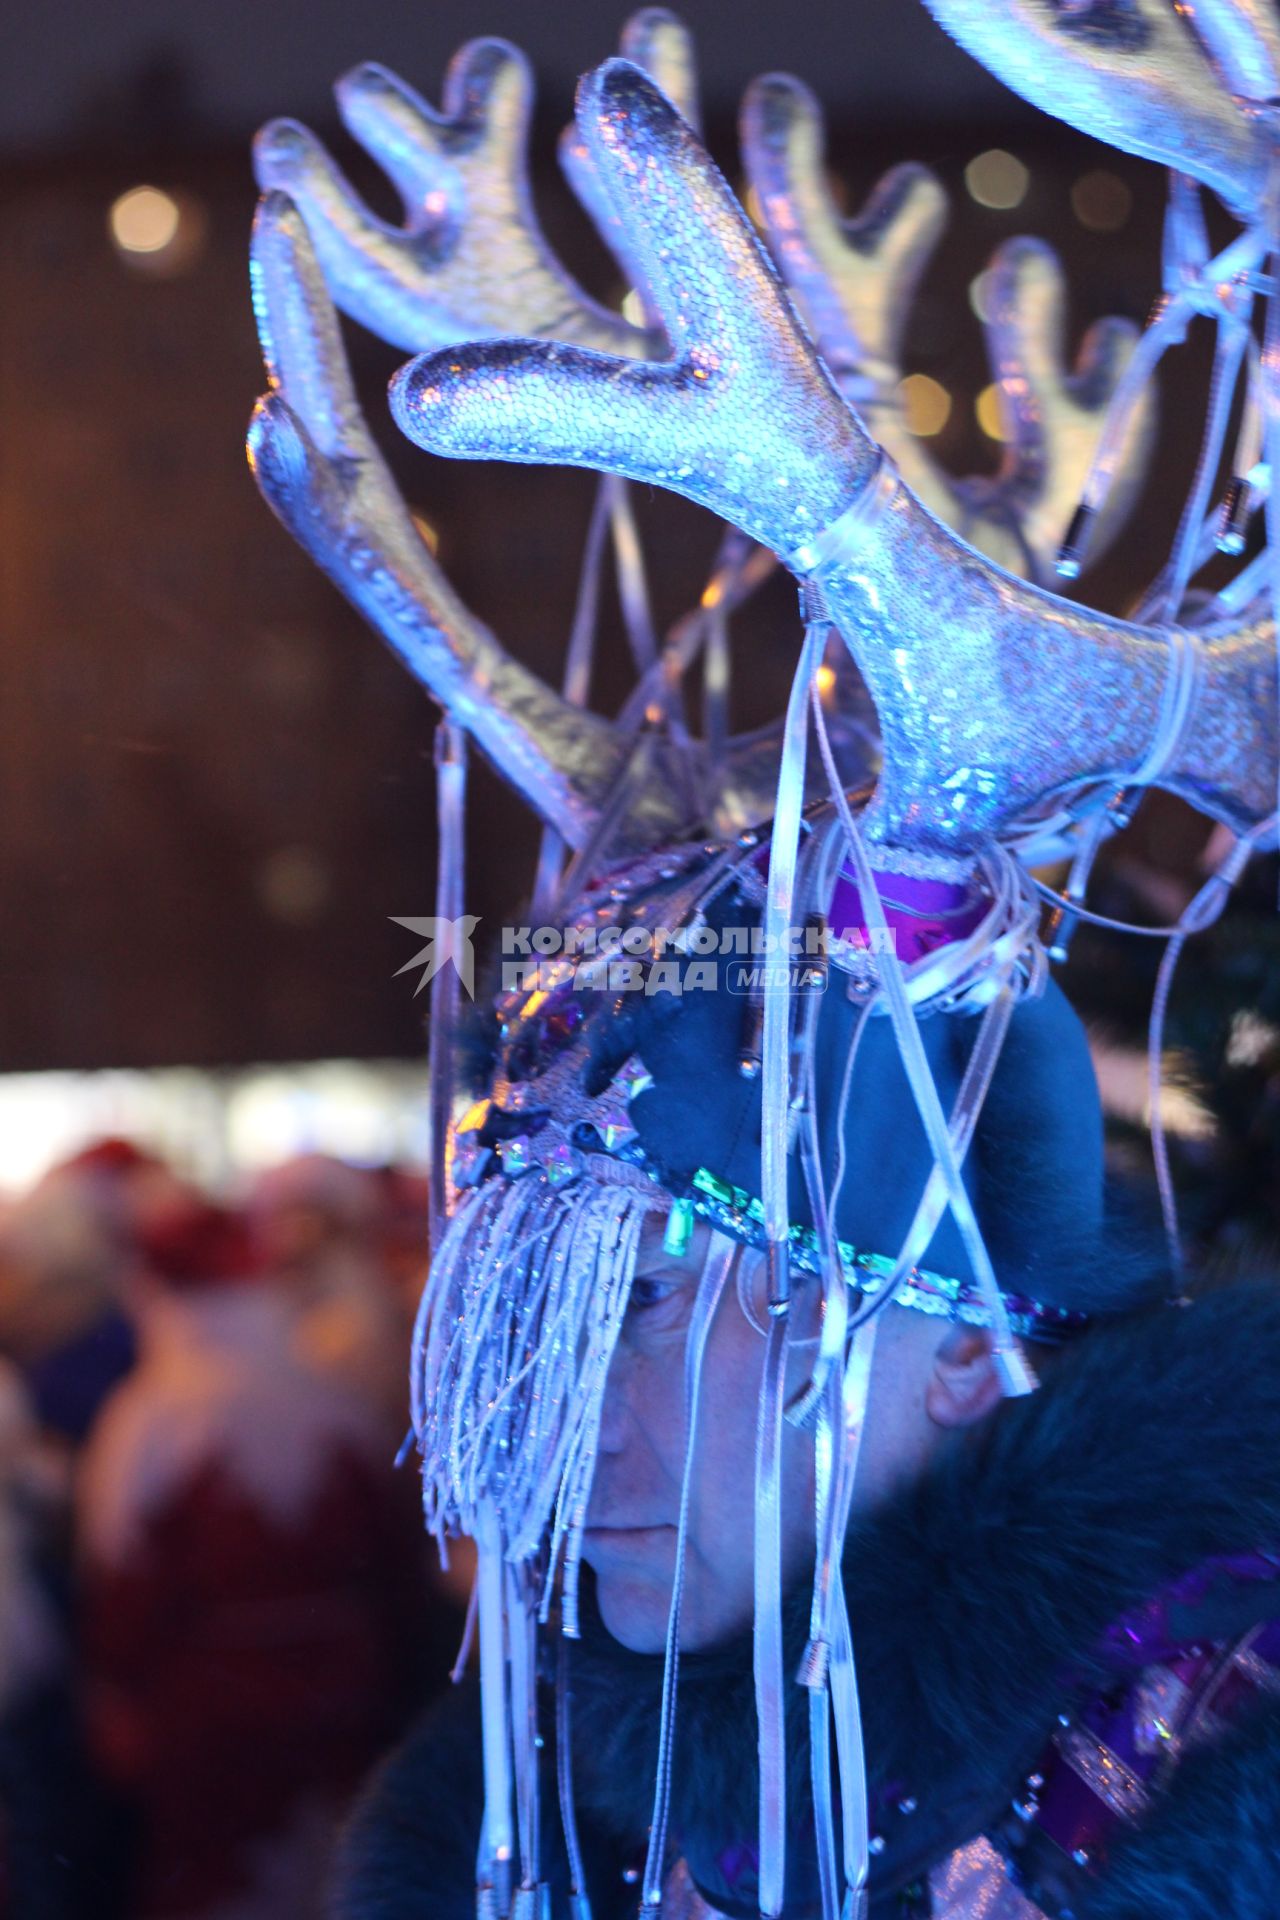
876 1844
1081 1856
908 1805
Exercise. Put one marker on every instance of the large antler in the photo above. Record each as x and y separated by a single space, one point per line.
471 259
470 262
993 695
318 468
854 280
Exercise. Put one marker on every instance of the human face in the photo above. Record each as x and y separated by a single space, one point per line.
634 1512
927 1380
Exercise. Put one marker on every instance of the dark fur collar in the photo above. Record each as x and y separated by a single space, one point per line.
1152 1448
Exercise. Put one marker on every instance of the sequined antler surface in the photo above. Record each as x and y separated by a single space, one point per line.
316 464
1173 82
854 282
660 43
992 695
318 467
470 260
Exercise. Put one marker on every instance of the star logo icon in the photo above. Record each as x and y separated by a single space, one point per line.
446 940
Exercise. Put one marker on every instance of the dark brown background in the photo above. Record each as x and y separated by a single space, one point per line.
215 786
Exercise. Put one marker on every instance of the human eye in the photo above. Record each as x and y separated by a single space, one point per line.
650 1291
660 1304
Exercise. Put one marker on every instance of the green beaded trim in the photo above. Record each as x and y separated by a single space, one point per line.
741 1214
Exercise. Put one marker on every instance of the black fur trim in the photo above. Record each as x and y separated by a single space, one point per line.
415 1830
1211 1848
409 1848
978 1602
1154 1446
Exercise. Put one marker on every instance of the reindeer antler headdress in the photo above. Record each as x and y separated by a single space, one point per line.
1004 710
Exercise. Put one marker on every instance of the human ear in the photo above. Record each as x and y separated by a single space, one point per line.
964 1385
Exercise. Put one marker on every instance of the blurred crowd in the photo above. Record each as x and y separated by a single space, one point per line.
217 1604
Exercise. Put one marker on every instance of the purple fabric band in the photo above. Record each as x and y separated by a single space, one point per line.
923 914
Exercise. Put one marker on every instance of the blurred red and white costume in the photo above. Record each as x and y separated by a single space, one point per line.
251 1588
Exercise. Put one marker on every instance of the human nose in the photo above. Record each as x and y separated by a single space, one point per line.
617 1414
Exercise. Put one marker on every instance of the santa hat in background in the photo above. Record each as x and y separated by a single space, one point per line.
317 1189
110 1155
117 1181
67 1244
188 1241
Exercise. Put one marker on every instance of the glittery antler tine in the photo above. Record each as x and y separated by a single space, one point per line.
738 352
1053 413
992 695
662 45
320 471
854 280
658 40
1153 77
470 261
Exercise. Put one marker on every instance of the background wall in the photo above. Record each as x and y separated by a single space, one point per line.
215 785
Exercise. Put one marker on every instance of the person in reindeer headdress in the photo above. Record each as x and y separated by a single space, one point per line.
727 1357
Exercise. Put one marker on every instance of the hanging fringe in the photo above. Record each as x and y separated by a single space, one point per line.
515 1332
579 1901
451 805
1015 1372
721 1252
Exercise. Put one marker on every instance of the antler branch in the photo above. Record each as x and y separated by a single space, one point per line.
993 695
470 261
853 280
318 468
661 44
1136 76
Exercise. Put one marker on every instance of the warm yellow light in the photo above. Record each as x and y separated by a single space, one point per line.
1101 201
294 885
145 220
987 408
996 178
429 534
925 403
826 678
